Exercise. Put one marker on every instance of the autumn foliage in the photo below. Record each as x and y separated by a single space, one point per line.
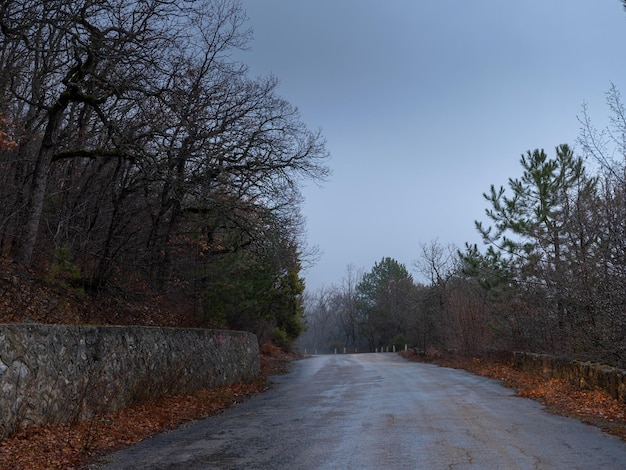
594 407
138 154
5 141
71 446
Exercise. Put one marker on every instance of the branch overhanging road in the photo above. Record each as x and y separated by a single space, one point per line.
372 411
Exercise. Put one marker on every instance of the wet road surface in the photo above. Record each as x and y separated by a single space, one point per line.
373 411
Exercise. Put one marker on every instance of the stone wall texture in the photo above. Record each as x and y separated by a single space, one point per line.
586 375
57 374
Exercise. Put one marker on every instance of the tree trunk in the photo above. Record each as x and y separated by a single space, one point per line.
37 190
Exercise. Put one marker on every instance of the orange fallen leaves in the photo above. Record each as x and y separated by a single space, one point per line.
559 396
71 446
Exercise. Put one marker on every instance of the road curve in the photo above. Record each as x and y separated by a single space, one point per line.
373 411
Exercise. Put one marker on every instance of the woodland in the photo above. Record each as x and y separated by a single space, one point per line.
140 164
550 277
140 161
143 171
146 178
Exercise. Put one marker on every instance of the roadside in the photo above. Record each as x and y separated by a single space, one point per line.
72 446
592 407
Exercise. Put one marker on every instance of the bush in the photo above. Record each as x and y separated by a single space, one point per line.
398 341
63 272
279 338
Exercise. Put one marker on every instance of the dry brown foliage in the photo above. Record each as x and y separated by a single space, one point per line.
5 140
26 295
72 446
34 295
594 407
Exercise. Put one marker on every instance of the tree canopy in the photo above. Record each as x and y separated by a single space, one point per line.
132 141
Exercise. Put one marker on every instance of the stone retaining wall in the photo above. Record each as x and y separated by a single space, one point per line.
585 375
56 374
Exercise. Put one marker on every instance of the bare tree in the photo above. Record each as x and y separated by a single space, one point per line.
139 137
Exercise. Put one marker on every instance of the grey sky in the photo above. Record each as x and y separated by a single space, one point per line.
425 103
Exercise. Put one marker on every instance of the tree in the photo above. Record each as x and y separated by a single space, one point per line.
255 288
137 135
599 287
332 318
607 147
436 324
437 263
140 147
385 301
77 58
5 140
531 238
322 331
346 308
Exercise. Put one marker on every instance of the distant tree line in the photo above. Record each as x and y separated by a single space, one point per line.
133 143
551 279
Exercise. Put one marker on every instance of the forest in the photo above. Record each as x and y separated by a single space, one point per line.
550 277
137 154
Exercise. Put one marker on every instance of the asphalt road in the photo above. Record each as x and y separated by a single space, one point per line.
378 411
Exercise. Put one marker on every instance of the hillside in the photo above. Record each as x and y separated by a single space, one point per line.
28 295
43 296
31 295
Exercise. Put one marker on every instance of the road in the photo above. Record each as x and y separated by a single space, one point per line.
378 411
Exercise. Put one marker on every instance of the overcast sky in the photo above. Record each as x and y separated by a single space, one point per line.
425 104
